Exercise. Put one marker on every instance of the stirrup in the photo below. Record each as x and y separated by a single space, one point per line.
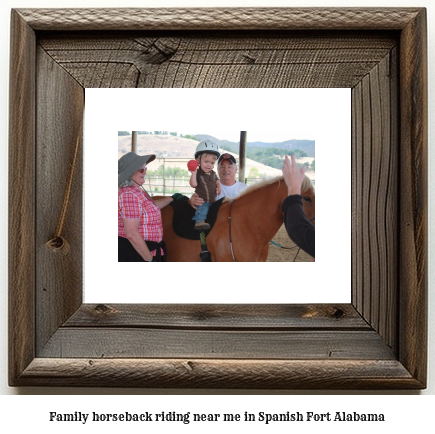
205 254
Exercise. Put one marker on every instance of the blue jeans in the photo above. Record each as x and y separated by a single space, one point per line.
202 211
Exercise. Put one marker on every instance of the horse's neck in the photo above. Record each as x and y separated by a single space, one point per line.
264 207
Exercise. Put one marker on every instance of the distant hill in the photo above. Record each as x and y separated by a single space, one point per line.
185 146
168 146
162 145
178 147
308 146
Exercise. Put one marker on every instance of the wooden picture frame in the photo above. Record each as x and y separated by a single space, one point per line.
376 341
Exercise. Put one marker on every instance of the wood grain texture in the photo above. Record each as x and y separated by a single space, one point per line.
375 197
228 374
413 187
22 154
147 342
377 342
236 60
59 277
269 317
220 18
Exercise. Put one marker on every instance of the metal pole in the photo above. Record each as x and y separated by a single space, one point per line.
242 155
164 178
133 141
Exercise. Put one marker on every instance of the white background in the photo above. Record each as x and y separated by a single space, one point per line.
406 412
320 114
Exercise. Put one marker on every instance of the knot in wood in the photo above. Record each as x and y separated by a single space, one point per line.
249 59
338 313
103 309
58 245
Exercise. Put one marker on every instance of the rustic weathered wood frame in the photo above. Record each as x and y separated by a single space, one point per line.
377 341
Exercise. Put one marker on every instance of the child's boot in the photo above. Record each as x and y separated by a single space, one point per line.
201 225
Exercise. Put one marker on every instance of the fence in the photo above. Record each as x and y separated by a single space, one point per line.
165 185
160 186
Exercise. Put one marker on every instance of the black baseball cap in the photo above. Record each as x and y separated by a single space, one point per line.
227 157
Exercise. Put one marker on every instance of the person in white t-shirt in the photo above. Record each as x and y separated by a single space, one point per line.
227 169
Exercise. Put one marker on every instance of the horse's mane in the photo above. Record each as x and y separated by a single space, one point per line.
306 185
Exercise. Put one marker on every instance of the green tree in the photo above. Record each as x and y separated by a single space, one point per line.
157 172
298 153
170 172
176 172
123 133
275 162
189 136
254 173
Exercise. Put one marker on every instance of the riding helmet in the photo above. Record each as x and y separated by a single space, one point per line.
207 146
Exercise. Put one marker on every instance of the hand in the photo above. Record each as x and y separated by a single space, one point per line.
195 201
292 175
192 165
218 189
149 258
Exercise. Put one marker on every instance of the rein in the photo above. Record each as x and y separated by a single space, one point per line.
229 223
282 247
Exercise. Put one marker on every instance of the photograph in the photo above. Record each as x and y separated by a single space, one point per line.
250 230
209 168
351 317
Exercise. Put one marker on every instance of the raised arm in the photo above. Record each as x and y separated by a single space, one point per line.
193 181
292 175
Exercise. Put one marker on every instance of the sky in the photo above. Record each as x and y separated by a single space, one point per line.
252 135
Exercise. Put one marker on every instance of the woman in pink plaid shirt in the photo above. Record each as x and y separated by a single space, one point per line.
140 227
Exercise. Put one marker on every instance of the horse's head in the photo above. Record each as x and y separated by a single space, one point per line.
308 200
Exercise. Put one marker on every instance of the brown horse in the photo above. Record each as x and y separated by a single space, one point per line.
256 217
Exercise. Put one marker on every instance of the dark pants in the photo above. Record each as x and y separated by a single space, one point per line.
127 253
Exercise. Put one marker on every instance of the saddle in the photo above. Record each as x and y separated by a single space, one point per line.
182 221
